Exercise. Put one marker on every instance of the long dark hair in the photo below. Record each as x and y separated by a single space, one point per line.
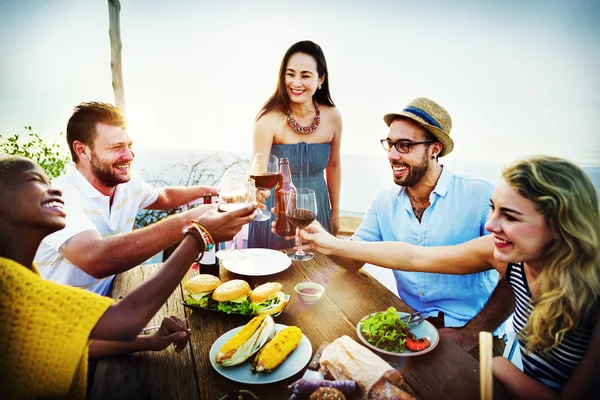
280 100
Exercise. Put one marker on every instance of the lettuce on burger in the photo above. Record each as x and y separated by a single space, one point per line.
267 299
232 296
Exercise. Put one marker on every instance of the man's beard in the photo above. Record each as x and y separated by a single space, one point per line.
416 174
104 172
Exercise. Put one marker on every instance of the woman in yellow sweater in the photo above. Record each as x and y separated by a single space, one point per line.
45 328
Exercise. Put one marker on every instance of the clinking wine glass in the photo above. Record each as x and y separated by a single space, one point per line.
236 191
301 211
265 172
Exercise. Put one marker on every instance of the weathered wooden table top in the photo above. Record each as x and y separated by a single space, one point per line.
447 372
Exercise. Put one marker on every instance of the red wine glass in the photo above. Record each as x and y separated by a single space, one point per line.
301 212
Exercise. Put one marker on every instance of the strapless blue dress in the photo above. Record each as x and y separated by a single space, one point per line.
307 164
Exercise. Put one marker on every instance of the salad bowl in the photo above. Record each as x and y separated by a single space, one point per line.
423 329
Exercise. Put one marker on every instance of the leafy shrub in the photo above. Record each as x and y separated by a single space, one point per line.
52 157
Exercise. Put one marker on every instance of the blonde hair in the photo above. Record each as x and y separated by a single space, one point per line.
570 280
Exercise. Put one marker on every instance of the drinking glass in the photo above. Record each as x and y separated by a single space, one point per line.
236 191
265 172
301 211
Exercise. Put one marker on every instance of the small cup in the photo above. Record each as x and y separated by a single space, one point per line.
309 292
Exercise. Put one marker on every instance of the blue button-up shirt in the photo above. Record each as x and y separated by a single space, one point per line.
457 214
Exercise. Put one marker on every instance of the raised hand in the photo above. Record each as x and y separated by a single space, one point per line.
261 196
224 225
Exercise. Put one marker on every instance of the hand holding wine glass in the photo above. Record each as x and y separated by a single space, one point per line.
301 211
318 238
265 172
236 191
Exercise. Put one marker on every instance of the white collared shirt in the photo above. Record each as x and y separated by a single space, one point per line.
89 209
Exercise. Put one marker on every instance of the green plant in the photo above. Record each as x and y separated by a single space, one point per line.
52 157
207 171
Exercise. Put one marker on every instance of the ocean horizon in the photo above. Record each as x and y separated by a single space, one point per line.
363 176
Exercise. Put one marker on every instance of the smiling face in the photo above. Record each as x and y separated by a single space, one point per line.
409 168
109 161
520 231
302 78
28 199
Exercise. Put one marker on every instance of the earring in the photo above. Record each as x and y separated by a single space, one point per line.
319 86
433 157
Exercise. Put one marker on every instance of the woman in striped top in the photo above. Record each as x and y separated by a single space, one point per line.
545 225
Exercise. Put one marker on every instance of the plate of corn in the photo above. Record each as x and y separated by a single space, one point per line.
260 352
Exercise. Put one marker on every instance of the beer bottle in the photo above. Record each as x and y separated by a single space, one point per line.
209 264
284 192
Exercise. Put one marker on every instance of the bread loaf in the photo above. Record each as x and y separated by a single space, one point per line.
346 359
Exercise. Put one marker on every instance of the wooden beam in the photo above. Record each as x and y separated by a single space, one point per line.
114 31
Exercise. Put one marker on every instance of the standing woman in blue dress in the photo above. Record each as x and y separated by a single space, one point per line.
300 122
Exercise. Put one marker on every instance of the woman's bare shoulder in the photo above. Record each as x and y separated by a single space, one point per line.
271 118
269 125
332 115
330 111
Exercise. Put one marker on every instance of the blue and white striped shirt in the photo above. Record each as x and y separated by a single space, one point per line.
555 367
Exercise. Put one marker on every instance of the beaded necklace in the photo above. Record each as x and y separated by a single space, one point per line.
305 130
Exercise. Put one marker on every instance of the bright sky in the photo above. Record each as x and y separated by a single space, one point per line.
518 77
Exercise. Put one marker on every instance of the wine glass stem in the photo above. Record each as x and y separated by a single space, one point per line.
300 252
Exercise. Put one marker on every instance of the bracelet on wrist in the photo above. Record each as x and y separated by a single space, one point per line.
208 239
194 231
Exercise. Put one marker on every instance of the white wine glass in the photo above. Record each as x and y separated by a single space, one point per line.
236 191
265 172
302 211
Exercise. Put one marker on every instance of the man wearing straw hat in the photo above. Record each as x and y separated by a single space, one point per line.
435 207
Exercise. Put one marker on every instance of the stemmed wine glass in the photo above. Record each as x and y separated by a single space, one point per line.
236 191
301 211
265 172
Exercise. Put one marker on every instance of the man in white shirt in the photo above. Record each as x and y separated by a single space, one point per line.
102 196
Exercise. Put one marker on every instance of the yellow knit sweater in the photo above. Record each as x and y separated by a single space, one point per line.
44 334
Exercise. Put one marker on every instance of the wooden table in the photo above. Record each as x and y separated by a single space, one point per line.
448 372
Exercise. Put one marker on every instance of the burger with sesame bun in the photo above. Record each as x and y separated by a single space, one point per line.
197 290
267 299
232 296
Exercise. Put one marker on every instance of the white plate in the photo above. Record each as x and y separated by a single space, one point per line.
242 372
424 329
257 262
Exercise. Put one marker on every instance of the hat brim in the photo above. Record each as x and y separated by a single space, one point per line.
440 135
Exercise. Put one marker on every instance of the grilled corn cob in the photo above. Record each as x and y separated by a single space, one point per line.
247 341
277 350
239 338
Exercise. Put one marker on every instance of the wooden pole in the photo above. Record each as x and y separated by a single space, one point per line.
485 366
114 31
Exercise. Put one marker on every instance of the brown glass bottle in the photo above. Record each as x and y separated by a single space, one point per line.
209 263
284 192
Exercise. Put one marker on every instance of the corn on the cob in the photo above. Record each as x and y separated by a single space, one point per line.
277 350
230 347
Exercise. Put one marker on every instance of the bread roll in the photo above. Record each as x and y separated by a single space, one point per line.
231 290
264 292
202 283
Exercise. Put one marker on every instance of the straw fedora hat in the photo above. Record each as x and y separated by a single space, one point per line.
431 116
